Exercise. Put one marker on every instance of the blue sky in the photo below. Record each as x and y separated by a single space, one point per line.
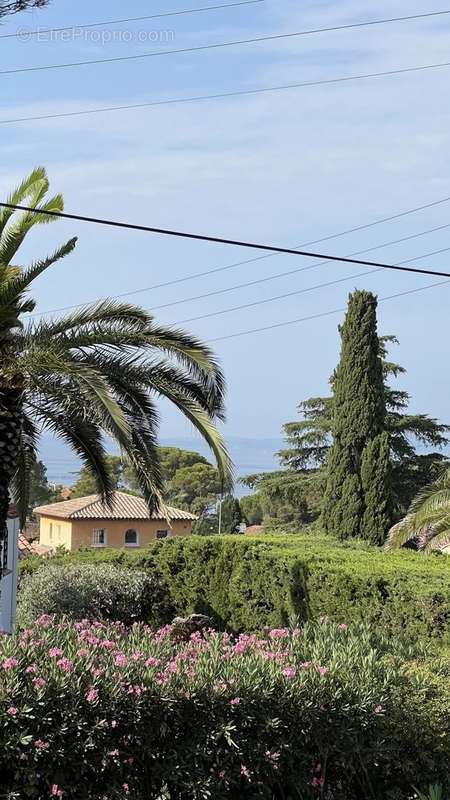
282 168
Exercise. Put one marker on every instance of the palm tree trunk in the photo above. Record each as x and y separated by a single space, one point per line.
10 432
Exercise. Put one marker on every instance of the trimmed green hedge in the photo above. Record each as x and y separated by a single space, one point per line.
245 583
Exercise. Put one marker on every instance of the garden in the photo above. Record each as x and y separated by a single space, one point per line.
323 673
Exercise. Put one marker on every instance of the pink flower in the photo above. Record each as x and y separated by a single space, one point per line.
65 665
31 670
44 621
40 745
290 672
273 759
305 665
318 782
97 673
113 723
92 695
279 633
137 656
10 663
152 662
113 753
235 701
323 671
12 711
245 771
222 774
39 683
107 644
378 710
56 791
126 788
82 652
55 652
343 627
120 660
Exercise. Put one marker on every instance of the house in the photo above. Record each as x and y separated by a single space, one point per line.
126 522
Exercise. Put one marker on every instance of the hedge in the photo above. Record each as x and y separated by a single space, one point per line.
91 591
245 583
90 711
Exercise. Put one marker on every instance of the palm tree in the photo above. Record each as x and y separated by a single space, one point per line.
95 372
426 527
14 6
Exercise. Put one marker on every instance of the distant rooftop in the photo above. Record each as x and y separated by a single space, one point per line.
123 506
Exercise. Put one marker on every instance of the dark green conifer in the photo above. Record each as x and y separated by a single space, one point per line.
357 496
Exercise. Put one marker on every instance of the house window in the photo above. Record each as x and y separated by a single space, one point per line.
99 537
131 538
162 534
50 532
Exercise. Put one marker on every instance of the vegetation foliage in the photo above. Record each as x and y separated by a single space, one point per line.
97 371
90 591
89 711
426 527
245 583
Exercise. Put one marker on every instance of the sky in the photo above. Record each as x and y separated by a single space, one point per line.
281 168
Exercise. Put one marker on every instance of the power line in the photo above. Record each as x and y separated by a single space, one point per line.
258 280
255 303
221 95
42 31
214 46
323 313
221 240
270 255
291 271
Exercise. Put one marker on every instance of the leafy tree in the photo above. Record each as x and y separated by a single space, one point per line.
174 458
282 497
231 514
252 509
195 488
357 459
426 527
309 440
14 6
86 483
94 373
40 490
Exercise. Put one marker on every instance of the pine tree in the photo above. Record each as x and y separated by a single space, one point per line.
357 491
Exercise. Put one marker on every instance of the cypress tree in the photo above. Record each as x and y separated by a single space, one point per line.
357 496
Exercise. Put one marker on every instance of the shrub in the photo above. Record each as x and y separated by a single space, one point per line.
95 710
90 591
245 583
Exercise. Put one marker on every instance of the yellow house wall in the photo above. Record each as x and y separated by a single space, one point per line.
55 532
78 533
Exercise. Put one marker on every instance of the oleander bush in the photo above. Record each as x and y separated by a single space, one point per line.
245 583
100 591
93 710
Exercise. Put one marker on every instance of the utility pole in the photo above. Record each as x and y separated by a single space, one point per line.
220 513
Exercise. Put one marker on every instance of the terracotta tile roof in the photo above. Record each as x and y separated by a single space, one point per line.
123 506
27 548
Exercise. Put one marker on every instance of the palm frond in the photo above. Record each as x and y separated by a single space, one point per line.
82 327
11 290
70 422
32 188
21 483
13 236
